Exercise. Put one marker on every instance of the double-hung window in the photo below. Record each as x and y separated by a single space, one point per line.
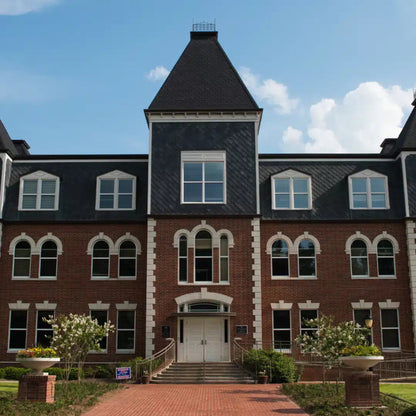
360 316
102 318
17 329
359 259
281 330
306 327
44 331
126 323
291 190
390 334
116 191
39 191
203 178
368 190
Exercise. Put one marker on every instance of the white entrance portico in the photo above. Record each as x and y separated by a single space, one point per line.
203 327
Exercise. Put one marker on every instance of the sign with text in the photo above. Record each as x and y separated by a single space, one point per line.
123 373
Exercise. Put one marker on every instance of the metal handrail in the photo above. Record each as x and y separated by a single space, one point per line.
157 362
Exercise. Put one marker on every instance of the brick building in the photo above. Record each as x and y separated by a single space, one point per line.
205 240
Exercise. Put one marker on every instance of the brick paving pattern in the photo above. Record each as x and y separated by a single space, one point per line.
197 400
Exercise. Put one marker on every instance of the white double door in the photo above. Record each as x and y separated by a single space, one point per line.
204 339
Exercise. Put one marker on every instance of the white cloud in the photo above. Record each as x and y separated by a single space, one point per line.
16 7
158 73
19 86
292 140
270 91
359 122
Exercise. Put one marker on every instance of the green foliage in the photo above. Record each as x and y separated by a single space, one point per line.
2 373
105 371
280 368
329 399
361 351
15 373
70 399
410 411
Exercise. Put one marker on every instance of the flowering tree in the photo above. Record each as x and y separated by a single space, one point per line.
74 336
329 341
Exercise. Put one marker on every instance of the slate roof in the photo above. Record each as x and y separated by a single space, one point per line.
6 143
203 79
407 137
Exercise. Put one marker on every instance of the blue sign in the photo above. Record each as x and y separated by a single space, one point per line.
123 373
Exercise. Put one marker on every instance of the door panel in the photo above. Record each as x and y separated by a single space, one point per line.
194 335
213 331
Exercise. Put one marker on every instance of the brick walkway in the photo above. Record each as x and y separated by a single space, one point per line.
197 400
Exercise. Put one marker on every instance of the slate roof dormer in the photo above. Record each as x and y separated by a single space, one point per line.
203 79
6 143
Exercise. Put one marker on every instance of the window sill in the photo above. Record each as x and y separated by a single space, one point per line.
97 352
373 277
296 278
33 210
203 203
126 278
125 351
47 278
115 209
292 209
203 284
14 351
283 350
22 278
391 349
113 279
367 209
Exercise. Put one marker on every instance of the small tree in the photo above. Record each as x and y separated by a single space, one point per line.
74 336
328 342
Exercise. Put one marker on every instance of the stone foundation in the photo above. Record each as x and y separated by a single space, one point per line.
362 389
37 389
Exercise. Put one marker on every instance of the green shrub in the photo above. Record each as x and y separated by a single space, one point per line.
56 371
410 411
281 367
89 372
105 371
2 373
15 373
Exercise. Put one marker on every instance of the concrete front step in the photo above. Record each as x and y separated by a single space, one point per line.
200 373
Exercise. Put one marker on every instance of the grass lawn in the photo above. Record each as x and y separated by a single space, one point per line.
327 400
71 399
400 390
9 386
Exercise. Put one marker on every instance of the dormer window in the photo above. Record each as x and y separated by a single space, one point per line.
39 191
291 190
116 191
368 190
203 178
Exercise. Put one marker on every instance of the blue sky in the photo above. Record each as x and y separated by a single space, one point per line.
331 75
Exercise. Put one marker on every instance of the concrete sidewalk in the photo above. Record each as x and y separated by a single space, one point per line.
197 400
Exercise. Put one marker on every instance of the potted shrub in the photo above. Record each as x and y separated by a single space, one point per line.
145 377
361 357
262 378
37 359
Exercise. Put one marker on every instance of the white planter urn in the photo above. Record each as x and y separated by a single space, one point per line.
362 363
37 365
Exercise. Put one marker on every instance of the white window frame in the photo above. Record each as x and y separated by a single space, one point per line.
121 258
386 257
355 322
276 277
14 259
220 256
39 176
42 329
307 328
206 282
115 175
308 276
283 350
17 329
55 258
126 351
204 157
360 276
368 175
291 175
103 351
383 348
183 257
100 258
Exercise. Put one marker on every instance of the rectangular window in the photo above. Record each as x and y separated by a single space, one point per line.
281 330
368 192
126 331
102 318
115 193
291 192
44 330
183 259
305 316
360 315
203 177
39 194
390 336
224 259
17 329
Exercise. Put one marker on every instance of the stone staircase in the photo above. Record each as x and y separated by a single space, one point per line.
203 373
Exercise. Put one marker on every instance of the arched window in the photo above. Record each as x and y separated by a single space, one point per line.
21 261
385 258
100 260
203 257
127 259
359 259
224 262
183 259
48 259
280 259
307 260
